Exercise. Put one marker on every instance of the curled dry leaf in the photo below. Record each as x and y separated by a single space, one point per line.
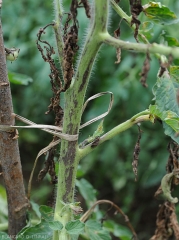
145 70
55 80
136 154
166 223
70 39
163 225
136 9
166 187
118 50
87 8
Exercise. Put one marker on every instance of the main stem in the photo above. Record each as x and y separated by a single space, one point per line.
74 99
9 154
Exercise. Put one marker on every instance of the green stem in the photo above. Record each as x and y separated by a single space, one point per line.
140 117
120 12
58 30
139 47
73 105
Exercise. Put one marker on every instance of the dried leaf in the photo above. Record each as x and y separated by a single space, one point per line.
145 70
166 222
87 8
136 154
136 9
118 50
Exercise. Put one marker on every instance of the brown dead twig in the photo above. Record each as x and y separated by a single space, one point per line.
118 209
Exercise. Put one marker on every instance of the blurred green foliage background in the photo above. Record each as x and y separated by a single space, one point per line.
108 168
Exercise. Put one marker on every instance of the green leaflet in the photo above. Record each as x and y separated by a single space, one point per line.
168 40
165 92
87 191
39 232
4 235
18 78
146 29
174 72
160 13
44 229
166 104
47 213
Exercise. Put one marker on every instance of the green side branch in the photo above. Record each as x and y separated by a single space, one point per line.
158 50
120 12
139 47
138 118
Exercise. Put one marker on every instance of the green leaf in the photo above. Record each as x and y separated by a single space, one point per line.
3 205
104 235
165 91
38 232
166 108
47 213
160 13
173 123
18 78
4 236
87 191
55 225
95 230
75 227
93 235
174 72
74 237
93 225
155 111
146 26
171 41
118 230
35 208
146 29
101 235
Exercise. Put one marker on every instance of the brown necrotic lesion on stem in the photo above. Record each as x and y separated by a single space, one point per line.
9 154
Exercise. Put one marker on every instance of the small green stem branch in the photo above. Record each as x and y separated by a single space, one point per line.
120 12
139 47
58 30
138 118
